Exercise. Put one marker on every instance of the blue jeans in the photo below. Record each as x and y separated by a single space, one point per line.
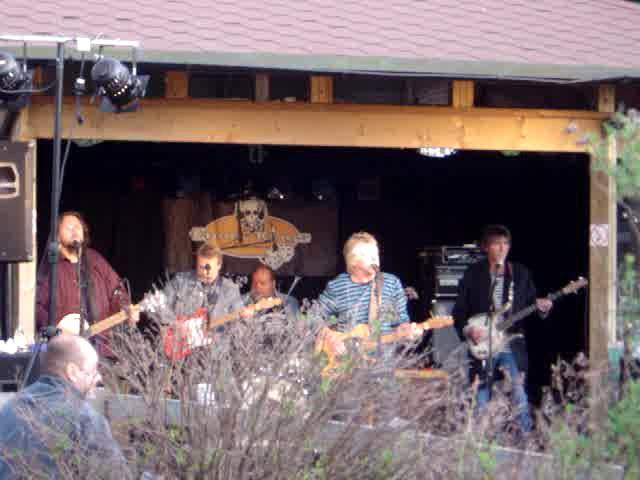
507 362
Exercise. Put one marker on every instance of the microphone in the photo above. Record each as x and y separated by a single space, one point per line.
76 245
375 267
50 331
207 267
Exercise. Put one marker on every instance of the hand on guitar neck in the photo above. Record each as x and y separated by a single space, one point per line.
71 322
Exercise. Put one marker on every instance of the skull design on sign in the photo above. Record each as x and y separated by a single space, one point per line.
251 214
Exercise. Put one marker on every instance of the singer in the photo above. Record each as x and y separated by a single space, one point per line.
87 284
364 294
485 287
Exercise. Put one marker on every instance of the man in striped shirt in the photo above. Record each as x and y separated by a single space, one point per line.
349 297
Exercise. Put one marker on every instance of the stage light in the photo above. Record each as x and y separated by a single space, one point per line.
119 89
275 194
15 83
436 152
323 189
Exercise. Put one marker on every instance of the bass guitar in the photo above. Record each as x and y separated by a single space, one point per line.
328 340
500 339
192 331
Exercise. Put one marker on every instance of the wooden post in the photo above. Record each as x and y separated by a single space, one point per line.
321 89
602 251
177 84
262 87
462 94
38 79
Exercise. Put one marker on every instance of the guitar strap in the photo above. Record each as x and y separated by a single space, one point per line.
88 307
211 296
375 300
508 294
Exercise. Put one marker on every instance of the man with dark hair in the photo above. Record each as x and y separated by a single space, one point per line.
86 285
50 429
487 286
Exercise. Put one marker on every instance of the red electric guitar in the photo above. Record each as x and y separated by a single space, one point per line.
192 331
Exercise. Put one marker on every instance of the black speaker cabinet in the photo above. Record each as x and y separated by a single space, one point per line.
17 224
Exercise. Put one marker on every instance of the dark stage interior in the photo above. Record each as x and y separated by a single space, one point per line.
411 202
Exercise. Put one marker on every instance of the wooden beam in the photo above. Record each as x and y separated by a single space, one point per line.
262 87
220 121
20 127
176 84
602 252
462 93
321 89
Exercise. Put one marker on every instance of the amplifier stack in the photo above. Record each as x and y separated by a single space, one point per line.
442 269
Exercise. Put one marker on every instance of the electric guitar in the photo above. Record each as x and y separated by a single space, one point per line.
70 323
480 348
192 331
328 340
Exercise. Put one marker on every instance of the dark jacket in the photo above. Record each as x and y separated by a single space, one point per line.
50 428
474 298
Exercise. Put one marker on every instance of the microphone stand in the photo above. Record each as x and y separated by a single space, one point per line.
46 334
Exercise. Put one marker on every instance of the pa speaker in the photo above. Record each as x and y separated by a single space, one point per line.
17 177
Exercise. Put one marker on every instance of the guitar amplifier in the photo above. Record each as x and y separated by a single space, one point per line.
443 267
447 278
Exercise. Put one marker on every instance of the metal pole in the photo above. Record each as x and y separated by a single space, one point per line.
8 306
55 186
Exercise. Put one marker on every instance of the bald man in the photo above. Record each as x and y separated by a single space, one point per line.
50 423
263 285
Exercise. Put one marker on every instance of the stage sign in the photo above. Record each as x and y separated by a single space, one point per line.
251 232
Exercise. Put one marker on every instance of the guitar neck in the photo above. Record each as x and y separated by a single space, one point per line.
107 323
525 312
395 336
219 321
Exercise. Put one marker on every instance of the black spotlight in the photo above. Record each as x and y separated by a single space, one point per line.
118 88
15 84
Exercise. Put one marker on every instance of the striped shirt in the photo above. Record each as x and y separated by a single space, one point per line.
348 301
498 301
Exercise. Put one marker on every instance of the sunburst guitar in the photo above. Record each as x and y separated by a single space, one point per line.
329 341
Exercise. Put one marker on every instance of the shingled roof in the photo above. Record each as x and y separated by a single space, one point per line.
542 39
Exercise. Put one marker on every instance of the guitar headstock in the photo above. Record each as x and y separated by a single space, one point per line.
440 321
266 303
504 308
575 285
154 302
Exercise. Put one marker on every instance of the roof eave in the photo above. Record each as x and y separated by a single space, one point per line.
373 65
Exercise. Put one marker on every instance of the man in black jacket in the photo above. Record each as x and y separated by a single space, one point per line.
487 286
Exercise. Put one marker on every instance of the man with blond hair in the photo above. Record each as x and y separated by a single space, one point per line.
196 297
204 287
363 294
